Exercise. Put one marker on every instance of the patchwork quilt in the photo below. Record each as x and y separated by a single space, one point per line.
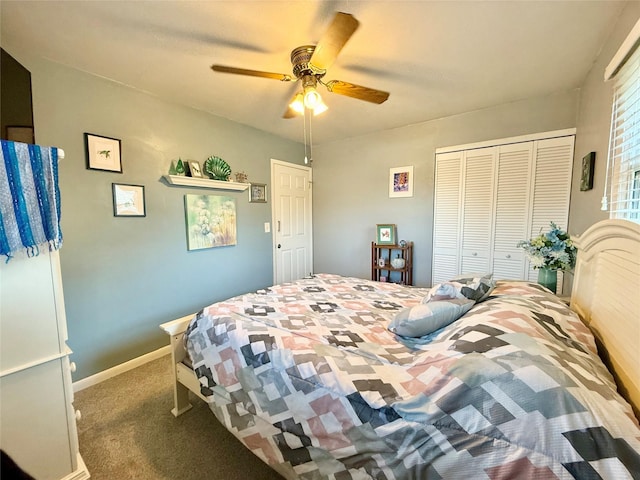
315 385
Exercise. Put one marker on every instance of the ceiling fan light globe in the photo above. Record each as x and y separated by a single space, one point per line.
311 98
298 104
320 108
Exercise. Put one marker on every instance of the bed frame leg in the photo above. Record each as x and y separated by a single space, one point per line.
180 399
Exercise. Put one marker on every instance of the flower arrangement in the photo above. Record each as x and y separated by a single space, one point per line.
553 250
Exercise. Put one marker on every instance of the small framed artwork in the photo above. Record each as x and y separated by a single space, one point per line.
103 153
401 181
258 193
20 134
194 169
386 234
128 200
588 165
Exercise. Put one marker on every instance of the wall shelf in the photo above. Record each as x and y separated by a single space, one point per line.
204 183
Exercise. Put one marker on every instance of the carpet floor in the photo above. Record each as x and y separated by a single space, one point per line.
127 431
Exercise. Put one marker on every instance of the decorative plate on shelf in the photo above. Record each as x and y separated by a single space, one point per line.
217 168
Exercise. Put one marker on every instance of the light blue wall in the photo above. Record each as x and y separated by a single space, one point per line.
351 178
594 121
124 276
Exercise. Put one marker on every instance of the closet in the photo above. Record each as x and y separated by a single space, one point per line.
490 196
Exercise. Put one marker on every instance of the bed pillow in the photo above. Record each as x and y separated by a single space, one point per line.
476 287
426 318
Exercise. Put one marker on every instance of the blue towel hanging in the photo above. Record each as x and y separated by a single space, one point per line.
29 198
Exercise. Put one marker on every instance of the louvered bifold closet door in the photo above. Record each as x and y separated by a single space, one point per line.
446 222
512 209
477 210
552 168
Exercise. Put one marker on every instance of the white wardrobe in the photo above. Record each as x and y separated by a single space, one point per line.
490 196
37 418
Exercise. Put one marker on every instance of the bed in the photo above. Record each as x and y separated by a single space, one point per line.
309 378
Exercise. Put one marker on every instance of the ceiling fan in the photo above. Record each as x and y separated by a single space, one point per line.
310 64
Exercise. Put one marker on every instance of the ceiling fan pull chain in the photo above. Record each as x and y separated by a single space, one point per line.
310 141
304 126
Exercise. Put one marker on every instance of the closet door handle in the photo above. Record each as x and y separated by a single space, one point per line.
508 255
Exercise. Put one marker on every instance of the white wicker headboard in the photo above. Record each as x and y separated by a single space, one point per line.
606 295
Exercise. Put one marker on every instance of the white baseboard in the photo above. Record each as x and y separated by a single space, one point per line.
118 369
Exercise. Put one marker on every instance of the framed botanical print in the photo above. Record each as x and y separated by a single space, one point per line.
386 234
103 153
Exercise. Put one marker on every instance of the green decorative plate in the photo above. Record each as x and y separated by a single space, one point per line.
217 168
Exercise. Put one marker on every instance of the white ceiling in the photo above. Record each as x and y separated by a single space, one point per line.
435 58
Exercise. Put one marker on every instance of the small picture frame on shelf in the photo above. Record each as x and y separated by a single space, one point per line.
128 200
381 262
194 169
258 193
386 234
103 153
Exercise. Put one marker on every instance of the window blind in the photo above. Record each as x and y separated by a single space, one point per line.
623 163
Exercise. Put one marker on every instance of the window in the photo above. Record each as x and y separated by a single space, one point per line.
623 165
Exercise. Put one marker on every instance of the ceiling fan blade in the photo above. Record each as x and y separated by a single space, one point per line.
329 46
252 73
357 91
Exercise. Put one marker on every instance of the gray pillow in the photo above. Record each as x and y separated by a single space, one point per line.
425 318
476 287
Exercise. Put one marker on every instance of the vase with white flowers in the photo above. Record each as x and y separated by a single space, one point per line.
548 253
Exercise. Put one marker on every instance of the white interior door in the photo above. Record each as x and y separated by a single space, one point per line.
291 215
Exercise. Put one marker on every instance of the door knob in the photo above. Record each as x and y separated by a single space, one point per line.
279 245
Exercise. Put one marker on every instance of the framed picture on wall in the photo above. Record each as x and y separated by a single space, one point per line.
386 234
401 181
258 193
103 153
588 165
210 221
128 200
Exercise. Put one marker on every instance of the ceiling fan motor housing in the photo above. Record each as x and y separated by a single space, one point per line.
300 58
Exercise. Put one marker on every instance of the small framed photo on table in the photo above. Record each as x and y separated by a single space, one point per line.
103 153
386 234
258 193
128 200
